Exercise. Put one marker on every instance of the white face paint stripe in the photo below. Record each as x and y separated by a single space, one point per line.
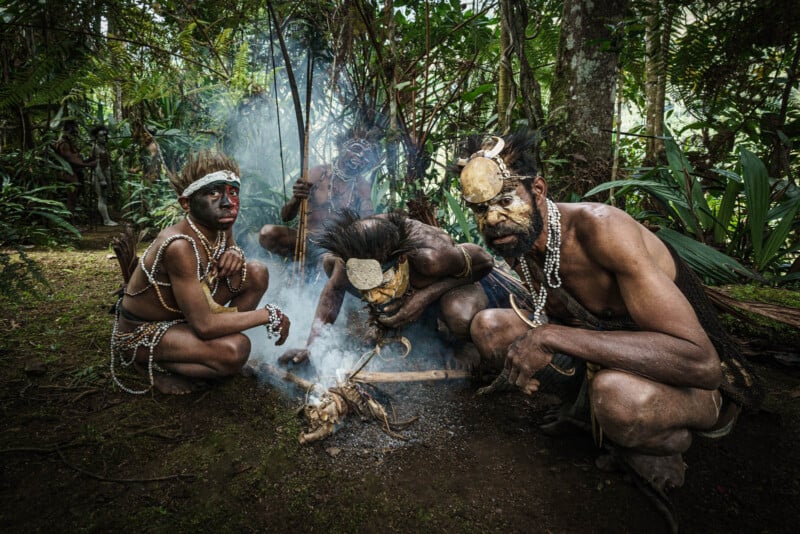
219 176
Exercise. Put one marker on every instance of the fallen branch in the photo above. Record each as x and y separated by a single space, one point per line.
375 377
306 385
736 307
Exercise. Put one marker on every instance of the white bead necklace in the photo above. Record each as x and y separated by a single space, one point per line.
552 263
219 244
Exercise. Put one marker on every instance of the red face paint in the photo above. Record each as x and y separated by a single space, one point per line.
215 206
233 195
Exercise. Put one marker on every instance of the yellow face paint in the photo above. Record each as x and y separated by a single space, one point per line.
395 284
504 207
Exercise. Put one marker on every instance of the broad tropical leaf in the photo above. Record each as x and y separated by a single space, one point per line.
711 265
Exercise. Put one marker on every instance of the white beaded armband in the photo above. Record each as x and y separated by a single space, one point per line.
275 317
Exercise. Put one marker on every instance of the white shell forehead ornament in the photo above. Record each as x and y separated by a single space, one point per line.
483 174
364 274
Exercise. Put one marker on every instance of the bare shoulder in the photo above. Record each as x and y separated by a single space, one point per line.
589 216
332 264
317 173
434 249
611 237
176 247
425 232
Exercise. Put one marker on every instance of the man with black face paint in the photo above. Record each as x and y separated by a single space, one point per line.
172 323
612 302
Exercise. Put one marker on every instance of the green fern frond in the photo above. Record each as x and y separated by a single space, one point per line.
223 41
186 40
44 80
241 71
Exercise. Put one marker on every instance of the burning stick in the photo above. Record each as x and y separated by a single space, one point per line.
289 377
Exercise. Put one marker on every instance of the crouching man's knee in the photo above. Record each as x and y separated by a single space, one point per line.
268 236
485 331
232 353
258 276
634 413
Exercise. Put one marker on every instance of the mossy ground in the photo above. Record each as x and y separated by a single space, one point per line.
79 455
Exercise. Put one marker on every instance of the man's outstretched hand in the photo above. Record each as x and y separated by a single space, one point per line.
295 356
525 357
284 331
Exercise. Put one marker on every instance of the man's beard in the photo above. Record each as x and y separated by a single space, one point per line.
526 236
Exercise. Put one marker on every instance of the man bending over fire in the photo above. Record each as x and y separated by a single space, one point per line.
402 268
171 323
611 295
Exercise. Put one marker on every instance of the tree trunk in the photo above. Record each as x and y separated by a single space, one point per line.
114 58
657 37
514 16
517 16
780 154
505 74
582 97
390 72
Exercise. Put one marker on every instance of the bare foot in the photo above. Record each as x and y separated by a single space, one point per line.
661 472
655 476
176 384
465 357
171 384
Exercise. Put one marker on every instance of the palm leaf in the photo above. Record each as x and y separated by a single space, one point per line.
58 221
756 190
778 237
711 265
459 214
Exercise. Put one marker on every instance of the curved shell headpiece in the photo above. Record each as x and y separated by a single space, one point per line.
483 174
364 274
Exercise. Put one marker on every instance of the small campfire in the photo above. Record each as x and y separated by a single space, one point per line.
326 410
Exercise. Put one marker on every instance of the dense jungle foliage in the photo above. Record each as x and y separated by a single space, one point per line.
686 113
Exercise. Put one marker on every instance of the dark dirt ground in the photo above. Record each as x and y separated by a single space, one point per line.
80 455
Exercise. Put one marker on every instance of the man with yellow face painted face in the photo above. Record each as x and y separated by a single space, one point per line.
402 269
610 297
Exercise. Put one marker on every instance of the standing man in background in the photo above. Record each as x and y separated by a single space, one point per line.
102 179
67 148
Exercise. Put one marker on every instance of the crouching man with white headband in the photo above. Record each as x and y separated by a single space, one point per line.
181 316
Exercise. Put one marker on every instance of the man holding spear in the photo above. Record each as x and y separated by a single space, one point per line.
345 183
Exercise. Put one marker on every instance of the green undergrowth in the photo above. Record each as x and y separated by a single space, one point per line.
759 326
761 293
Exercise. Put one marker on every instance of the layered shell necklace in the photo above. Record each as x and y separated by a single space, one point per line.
212 253
552 263
337 172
